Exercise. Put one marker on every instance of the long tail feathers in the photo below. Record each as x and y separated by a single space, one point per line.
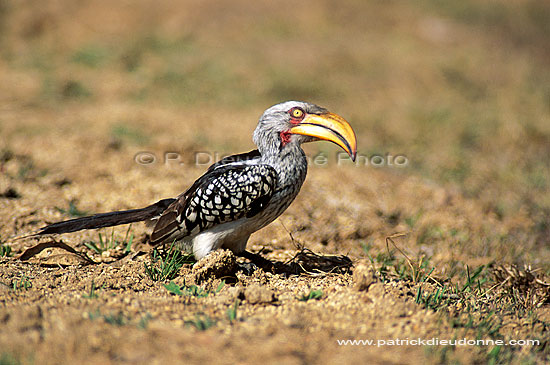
106 219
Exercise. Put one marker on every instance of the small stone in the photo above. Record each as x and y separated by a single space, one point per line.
376 291
363 277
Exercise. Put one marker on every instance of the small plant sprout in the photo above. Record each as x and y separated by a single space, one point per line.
5 251
313 294
92 293
232 311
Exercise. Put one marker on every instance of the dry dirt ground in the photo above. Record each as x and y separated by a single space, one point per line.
106 106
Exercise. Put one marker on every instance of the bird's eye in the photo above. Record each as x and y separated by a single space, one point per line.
296 113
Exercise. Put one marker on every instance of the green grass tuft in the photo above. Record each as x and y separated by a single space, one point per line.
111 242
5 251
201 322
192 290
22 283
132 134
8 359
166 265
90 56
72 210
114 319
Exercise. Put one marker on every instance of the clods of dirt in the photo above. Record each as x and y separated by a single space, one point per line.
217 264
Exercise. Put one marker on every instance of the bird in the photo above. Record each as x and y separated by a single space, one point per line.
239 194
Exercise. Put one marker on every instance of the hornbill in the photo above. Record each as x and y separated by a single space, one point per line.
239 194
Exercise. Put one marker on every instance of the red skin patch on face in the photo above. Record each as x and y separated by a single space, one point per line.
285 137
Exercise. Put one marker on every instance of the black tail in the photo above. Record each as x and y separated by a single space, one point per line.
107 219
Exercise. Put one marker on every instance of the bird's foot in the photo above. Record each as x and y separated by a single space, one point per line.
255 260
248 268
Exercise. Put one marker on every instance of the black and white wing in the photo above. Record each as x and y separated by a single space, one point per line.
227 192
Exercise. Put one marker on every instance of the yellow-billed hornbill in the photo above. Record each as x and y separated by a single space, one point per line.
239 194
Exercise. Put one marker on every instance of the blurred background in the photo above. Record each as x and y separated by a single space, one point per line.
461 88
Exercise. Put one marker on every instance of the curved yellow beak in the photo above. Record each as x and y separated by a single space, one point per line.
329 127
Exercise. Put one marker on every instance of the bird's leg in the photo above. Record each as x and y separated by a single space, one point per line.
257 260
